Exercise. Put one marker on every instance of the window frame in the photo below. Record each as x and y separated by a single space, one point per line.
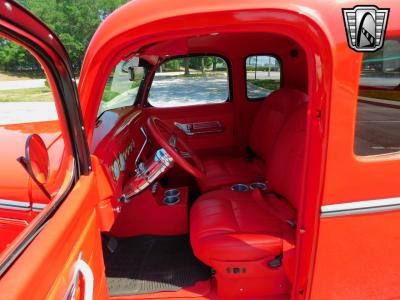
155 67
245 74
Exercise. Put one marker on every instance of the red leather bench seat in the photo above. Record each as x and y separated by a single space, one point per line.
239 234
226 170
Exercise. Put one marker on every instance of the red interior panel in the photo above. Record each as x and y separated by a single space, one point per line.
148 214
205 142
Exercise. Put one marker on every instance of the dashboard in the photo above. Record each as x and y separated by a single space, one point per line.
117 142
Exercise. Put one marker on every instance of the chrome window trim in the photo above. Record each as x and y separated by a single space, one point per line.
360 207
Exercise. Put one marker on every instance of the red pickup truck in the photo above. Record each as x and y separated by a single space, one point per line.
211 150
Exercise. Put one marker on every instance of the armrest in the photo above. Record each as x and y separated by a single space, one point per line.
201 127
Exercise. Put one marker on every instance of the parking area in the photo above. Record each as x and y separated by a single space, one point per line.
26 112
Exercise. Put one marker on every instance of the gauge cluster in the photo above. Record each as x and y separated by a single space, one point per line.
119 164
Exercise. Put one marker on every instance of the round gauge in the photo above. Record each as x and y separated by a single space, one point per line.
122 164
115 170
127 152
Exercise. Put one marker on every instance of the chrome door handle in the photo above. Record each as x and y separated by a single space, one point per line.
81 267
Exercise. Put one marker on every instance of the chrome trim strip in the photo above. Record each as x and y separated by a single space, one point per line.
21 205
38 206
360 207
16 205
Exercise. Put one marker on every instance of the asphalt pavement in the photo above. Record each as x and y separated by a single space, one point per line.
26 112
22 84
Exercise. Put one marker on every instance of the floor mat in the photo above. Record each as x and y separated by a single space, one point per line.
149 264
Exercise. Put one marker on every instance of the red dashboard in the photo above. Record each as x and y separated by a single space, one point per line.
117 142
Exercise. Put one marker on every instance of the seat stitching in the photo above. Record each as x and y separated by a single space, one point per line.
234 216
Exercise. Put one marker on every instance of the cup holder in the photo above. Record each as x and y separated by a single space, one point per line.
171 197
258 185
171 200
172 192
240 187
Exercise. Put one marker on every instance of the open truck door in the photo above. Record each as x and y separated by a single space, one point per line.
58 254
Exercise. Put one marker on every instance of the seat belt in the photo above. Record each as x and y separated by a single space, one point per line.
256 193
288 239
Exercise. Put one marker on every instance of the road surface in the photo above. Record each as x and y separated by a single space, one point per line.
25 112
22 84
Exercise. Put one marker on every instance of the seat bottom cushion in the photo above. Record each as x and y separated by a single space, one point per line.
234 226
226 170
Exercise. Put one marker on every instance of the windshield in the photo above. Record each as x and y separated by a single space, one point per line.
122 88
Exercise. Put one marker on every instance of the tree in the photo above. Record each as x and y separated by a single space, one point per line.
15 59
73 21
186 62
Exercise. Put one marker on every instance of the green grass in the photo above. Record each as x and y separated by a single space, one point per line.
109 95
381 94
269 84
43 94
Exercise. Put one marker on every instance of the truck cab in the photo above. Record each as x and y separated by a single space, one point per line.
209 150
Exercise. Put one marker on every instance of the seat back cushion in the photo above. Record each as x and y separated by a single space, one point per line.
270 119
284 171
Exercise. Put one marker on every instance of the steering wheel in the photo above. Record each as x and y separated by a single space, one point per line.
168 138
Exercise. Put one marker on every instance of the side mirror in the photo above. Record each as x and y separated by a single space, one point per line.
136 73
36 161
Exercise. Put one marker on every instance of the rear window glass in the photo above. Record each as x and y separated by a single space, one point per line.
378 114
191 80
263 76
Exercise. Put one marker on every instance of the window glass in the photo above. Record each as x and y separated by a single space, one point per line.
27 107
25 95
378 114
190 81
263 76
122 85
